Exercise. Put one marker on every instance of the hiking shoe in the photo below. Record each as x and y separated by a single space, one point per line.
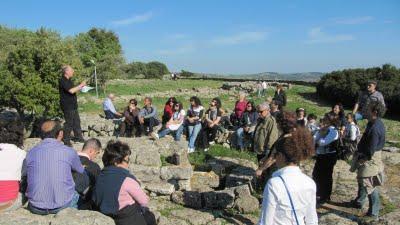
212 142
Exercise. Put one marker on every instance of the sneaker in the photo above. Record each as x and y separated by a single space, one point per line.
212 142
191 150
206 149
155 136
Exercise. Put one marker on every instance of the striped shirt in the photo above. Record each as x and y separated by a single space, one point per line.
48 168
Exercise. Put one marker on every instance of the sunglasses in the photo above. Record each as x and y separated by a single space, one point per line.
249 106
261 111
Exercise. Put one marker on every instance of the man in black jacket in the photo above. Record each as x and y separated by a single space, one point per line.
69 105
90 150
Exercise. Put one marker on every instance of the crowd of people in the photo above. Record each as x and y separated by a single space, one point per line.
52 176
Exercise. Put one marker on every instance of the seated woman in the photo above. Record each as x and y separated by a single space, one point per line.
168 110
240 107
175 123
194 117
117 192
211 121
247 124
289 196
11 158
301 117
131 125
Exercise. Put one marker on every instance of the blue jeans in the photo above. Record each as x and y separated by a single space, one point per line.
240 137
193 132
72 204
177 133
358 116
374 201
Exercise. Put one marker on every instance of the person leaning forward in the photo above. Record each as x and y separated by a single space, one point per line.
69 105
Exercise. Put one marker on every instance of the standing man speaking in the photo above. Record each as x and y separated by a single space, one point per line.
69 105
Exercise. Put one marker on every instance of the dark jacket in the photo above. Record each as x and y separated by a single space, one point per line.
249 119
373 139
280 97
108 185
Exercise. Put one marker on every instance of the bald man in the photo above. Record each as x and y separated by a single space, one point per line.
48 168
109 109
69 105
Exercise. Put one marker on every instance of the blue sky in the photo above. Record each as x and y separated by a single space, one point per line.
231 36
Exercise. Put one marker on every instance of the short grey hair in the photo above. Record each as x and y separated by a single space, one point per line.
263 106
92 143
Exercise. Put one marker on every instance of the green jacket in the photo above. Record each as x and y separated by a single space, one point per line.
265 134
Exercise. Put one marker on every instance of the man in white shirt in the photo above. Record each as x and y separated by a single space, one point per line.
109 109
264 88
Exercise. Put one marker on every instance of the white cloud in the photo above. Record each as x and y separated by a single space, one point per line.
354 20
316 35
388 21
140 18
244 37
178 51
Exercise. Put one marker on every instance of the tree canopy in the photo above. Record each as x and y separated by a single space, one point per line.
345 86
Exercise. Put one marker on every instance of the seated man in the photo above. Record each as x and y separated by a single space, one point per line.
48 167
109 109
148 117
90 150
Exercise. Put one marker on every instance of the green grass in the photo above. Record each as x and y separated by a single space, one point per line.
387 206
167 211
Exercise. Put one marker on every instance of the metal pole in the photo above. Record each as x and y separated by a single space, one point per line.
95 78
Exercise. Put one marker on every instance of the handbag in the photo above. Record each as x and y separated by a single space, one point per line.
291 201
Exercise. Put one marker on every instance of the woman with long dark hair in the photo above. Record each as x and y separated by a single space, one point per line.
168 110
194 118
175 123
247 124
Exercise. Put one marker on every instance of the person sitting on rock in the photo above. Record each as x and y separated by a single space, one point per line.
131 125
109 109
247 124
168 110
48 167
240 107
194 118
91 148
117 192
211 122
11 159
360 110
301 117
175 123
289 197
148 117
326 157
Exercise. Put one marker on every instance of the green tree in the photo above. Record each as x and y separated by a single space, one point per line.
104 48
31 73
156 70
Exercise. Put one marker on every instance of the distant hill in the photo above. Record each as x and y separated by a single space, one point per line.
307 76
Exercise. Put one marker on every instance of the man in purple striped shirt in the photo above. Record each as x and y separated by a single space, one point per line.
48 168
